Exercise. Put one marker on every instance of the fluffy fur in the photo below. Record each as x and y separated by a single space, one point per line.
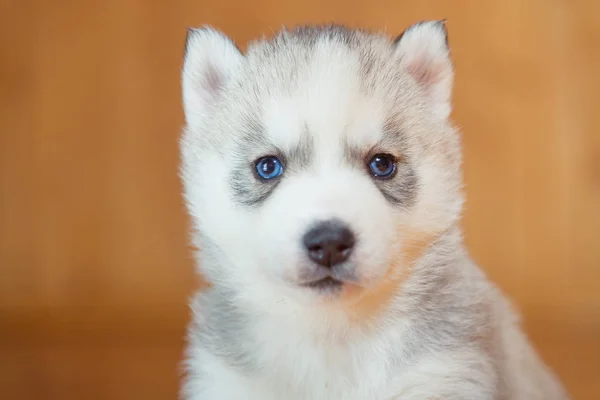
416 318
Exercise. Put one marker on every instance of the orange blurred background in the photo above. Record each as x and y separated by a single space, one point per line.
95 269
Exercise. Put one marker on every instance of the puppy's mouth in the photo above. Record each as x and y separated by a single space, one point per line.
329 281
326 284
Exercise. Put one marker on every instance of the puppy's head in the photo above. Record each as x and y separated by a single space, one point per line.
314 162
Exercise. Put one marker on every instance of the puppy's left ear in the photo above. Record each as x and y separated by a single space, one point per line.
425 55
211 61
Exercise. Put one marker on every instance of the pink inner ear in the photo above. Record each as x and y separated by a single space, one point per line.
426 72
212 80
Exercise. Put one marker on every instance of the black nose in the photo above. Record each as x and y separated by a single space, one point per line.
329 243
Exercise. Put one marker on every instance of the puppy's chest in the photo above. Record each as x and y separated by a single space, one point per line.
308 370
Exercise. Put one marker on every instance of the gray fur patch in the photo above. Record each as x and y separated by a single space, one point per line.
300 155
248 189
222 329
311 34
401 189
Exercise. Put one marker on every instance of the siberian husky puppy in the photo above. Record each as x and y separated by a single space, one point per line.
323 177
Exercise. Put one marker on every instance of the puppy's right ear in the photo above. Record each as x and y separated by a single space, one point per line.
211 60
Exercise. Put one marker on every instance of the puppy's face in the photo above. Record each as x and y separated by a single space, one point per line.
315 162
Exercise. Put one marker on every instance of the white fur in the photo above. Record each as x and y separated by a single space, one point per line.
444 332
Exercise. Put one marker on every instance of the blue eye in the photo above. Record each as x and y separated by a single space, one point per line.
269 167
382 165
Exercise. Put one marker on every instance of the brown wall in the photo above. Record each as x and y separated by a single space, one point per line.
94 265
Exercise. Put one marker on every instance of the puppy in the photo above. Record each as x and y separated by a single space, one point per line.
323 178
